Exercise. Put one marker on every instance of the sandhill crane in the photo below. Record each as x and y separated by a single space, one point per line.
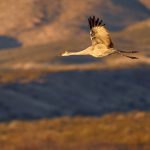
102 44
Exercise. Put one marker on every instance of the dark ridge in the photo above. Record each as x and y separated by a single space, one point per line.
86 93
9 42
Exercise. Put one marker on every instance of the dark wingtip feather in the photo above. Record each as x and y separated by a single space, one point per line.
100 22
89 19
97 21
93 22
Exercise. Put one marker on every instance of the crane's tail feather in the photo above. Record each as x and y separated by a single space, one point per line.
131 57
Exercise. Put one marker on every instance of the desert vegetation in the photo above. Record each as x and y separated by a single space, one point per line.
116 131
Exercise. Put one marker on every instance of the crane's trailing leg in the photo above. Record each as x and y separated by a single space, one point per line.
128 51
122 53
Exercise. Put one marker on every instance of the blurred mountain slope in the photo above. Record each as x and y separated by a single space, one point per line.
146 3
35 22
135 36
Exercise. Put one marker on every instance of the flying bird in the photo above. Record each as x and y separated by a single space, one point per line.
102 44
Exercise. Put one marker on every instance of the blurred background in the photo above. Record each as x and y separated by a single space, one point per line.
37 83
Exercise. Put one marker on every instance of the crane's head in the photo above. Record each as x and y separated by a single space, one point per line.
64 54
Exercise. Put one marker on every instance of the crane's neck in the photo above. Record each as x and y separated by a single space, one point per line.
74 53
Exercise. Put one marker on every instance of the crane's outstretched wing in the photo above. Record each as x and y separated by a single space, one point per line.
98 32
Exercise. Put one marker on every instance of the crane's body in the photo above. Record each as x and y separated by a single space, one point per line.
102 44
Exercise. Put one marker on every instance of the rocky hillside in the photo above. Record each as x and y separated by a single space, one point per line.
146 3
33 22
135 36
